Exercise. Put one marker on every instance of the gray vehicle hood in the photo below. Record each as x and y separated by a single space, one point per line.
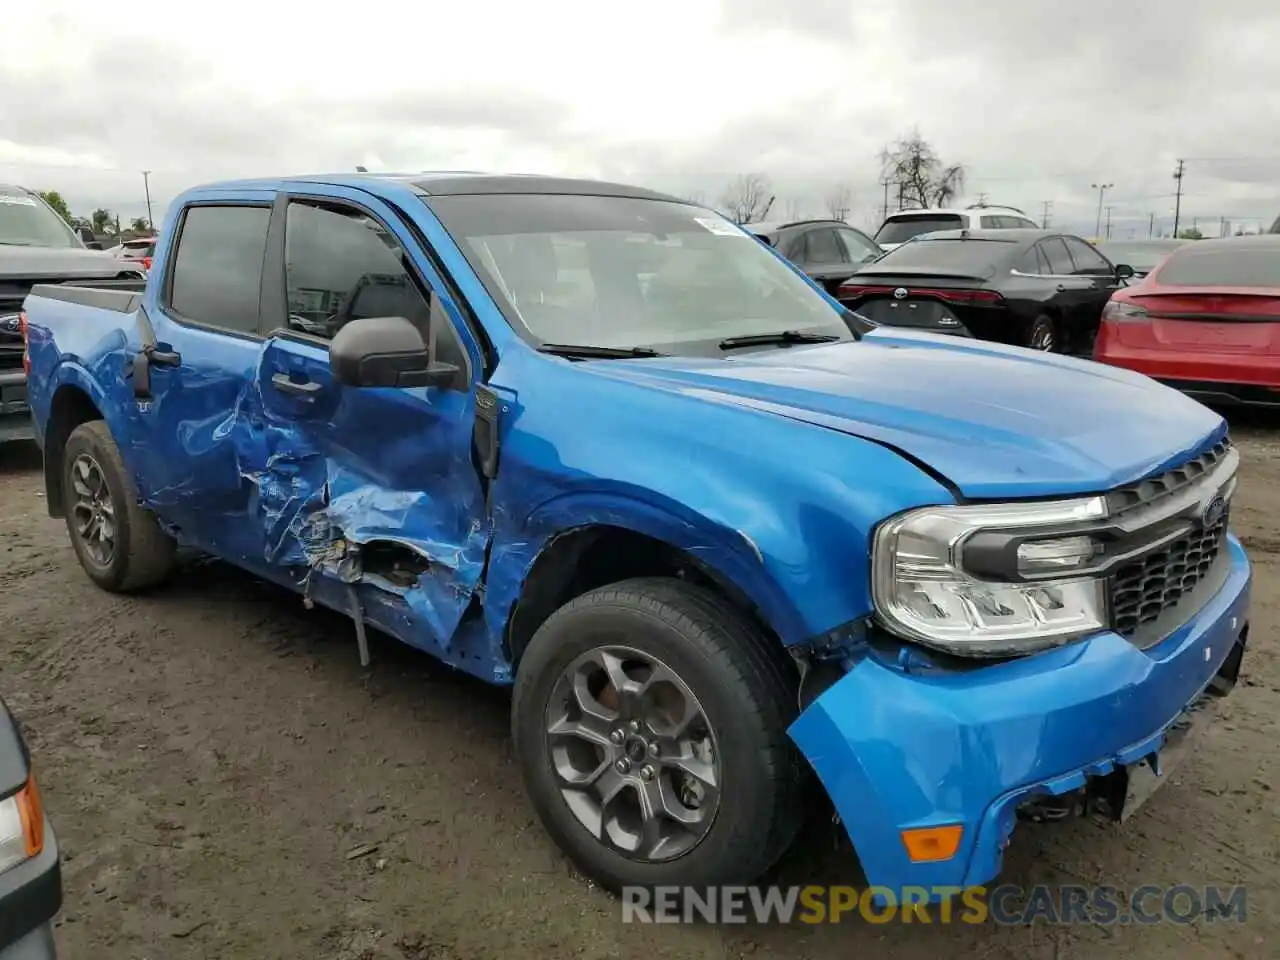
39 263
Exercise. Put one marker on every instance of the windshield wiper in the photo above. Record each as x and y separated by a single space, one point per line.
587 351
782 336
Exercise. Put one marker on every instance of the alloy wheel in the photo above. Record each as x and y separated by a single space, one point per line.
93 512
634 754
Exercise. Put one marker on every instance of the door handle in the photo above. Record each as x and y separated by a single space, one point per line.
1062 288
299 388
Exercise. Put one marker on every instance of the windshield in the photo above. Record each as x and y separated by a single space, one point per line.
1223 264
26 221
902 228
972 257
622 272
1140 256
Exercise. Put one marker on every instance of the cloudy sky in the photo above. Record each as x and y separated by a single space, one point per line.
1038 98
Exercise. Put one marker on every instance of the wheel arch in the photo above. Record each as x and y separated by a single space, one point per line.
576 560
71 406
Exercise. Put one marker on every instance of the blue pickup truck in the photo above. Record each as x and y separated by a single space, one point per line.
718 533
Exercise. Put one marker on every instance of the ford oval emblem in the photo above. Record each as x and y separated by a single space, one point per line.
900 293
1213 511
10 323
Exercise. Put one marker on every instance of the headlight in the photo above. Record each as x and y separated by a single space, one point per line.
925 590
21 826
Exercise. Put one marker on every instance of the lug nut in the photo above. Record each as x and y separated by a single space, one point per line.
623 765
635 726
654 749
617 736
646 772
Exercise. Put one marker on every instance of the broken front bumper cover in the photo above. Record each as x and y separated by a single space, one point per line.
900 752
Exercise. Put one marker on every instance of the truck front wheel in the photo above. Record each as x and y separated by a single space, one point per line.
119 543
649 720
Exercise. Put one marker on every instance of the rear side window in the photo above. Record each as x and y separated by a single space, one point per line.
821 246
1087 259
973 258
1228 264
857 245
217 268
1059 257
902 228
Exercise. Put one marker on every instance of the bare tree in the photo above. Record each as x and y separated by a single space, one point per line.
697 197
748 198
838 201
922 179
794 210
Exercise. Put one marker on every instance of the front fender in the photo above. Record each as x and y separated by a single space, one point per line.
781 508
732 555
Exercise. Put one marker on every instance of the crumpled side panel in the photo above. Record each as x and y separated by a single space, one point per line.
365 487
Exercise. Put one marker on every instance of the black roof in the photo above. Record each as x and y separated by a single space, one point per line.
777 226
461 184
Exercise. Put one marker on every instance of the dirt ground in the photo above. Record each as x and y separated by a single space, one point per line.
216 761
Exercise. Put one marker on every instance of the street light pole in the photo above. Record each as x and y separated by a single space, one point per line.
1102 188
146 185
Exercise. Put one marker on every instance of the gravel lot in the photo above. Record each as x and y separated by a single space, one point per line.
216 763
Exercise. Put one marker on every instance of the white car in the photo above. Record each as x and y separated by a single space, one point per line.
905 225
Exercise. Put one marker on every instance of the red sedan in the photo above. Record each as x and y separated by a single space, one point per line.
1206 320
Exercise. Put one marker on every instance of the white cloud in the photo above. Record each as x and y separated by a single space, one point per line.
1038 99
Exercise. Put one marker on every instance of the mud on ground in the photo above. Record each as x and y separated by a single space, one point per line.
228 783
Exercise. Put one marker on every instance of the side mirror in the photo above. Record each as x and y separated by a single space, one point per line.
1124 271
385 352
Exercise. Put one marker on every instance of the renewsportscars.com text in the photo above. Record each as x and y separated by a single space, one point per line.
1005 904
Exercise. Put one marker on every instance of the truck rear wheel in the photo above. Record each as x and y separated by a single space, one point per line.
119 543
637 708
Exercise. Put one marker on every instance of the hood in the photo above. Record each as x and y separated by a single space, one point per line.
39 263
995 421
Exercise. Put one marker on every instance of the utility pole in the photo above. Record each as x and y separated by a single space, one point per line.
982 199
1102 188
1109 209
1151 226
884 214
1177 204
146 185
1222 226
1044 219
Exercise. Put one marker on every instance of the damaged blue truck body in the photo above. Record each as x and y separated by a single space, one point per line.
600 444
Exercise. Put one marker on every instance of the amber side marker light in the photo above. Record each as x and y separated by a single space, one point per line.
932 844
21 826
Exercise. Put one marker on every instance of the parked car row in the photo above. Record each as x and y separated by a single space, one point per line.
1203 317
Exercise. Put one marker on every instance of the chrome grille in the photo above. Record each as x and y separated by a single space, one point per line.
1144 589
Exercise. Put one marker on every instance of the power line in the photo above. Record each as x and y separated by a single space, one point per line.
1177 208
1102 189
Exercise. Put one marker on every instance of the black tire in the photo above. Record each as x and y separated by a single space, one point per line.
1044 334
748 691
142 555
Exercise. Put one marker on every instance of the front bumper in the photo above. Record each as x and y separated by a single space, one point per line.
899 751
30 897
15 415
